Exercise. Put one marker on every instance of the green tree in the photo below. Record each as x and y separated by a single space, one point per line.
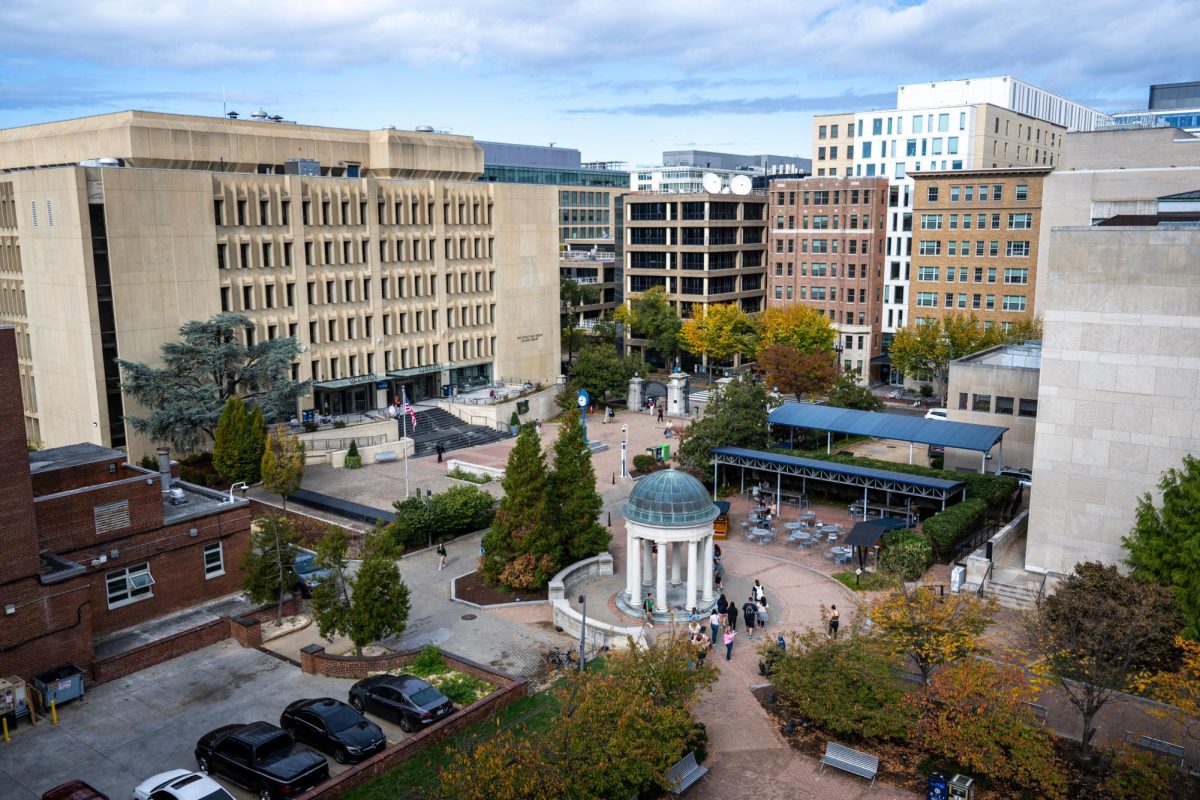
331 597
1098 633
380 603
282 463
572 295
929 630
736 417
187 394
267 564
602 371
794 372
1164 545
572 499
251 454
718 332
520 550
652 316
230 439
847 392
797 326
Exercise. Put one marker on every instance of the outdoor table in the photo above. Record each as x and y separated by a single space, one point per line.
793 526
840 553
809 515
831 529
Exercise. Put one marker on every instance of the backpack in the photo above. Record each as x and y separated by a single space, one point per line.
648 605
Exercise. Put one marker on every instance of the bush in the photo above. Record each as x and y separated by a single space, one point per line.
352 460
644 463
428 662
339 423
148 462
458 510
514 420
462 689
697 742
946 529
310 427
460 474
867 582
906 553
1138 773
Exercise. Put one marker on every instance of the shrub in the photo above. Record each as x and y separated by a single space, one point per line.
946 529
1138 773
697 742
460 474
458 510
644 462
310 427
352 460
514 420
339 423
906 553
926 390
428 662
462 689
148 462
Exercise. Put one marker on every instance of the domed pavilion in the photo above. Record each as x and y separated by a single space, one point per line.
669 516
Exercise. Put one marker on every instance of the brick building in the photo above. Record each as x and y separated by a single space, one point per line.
826 252
90 544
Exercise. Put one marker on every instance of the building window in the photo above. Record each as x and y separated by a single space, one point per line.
1013 302
927 299
982 402
930 247
1004 405
214 560
1020 222
932 194
962 401
1022 192
927 274
129 585
1027 408
931 222
1016 275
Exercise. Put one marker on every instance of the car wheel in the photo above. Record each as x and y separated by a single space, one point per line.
264 794
356 701
340 755
404 724
202 763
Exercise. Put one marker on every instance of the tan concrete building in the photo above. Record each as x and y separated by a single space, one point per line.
1119 399
997 386
826 252
833 145
377 250
975 244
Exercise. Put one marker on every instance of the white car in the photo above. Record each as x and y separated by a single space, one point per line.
180 784
936 413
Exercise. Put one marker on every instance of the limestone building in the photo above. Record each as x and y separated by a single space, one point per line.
378 250
997 386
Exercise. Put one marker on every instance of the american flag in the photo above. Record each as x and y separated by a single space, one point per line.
409 409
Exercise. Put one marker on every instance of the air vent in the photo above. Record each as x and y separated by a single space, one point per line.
111 516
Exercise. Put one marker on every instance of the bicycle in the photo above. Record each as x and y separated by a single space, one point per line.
561 659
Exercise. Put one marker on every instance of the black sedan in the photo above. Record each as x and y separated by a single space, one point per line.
409 702
334 727
262 758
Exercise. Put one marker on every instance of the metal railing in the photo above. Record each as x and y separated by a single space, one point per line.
587 258
344 443
987 576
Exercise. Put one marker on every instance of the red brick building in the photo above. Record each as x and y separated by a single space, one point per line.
90 544
826 251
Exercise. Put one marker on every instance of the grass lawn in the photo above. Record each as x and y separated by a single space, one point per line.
867 582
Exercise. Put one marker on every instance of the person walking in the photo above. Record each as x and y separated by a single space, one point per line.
714 624
648 610
660 412
441 449
722 604
750 615
757 592
733 615
762 615
833 621
441 554
730 633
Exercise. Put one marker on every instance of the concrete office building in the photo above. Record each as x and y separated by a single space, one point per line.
997 386
1171 105
702 249
1119 398
976 244
380 251
833 145
826 252
981 123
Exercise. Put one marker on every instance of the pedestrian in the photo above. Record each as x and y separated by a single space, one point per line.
441 448
750 615
648 609
441 553
607 415
730 633
714 623
833 621
762 615
660 413
757 592
666 431
722 604
733 615
694 616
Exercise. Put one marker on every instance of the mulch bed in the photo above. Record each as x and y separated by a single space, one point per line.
474 589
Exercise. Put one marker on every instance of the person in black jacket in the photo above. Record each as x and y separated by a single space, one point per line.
750 615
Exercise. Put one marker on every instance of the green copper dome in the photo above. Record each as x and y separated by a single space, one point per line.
670 499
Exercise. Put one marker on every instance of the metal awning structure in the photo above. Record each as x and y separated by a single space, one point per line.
807 469
941 432
345 383
868 533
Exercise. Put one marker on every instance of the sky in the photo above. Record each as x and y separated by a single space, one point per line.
618 80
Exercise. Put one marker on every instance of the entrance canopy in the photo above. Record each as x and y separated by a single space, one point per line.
868 534
963 435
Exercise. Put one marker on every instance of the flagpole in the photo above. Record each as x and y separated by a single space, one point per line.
403 436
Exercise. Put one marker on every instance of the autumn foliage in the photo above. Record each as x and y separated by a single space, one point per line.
930 629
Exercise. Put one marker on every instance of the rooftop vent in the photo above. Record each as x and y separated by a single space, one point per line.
424 129
260 115
233 115
178 497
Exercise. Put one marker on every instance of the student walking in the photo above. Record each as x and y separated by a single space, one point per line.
441 554
660 412
750 615
648 610
714 623
757 592
762 615
733 615
441 449
833 621
730 633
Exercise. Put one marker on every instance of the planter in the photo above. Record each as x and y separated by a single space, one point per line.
353 462
515 430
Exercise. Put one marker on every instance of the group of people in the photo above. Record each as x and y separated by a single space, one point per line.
723 621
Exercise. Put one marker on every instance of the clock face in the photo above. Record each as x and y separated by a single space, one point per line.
583 401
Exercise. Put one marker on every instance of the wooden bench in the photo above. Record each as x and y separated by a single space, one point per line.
685 773
385 456
852 761
1175 751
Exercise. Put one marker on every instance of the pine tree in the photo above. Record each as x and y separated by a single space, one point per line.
230 439
380 605
573 501
255 443
331 601
521 525
267 564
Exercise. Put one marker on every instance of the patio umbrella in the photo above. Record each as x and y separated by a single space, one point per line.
867 534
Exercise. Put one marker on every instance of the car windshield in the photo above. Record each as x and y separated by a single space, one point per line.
342 718
274 746
425 697
305 564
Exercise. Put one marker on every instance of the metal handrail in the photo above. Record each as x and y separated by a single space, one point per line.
987 576
1042 587
344 443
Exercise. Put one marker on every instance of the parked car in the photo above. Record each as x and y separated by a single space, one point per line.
1024 476
308 574
409 702
262 758
180 784
334 727
936 413
74 790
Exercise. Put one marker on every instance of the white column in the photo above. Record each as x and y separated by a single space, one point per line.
647 562
690 599
676 557
707 566
660 596
633 570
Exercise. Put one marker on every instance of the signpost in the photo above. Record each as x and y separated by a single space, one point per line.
584 401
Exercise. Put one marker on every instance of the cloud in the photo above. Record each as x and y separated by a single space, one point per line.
15 97
785 104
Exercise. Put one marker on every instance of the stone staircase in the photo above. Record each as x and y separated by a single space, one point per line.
435 425
1013 588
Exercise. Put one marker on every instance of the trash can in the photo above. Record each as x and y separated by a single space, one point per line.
664 452
962 787
937 786
308 415
60 685
448 390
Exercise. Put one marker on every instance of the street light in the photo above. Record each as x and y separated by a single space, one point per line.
582 628
837 352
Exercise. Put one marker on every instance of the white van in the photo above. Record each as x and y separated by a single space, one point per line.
936 413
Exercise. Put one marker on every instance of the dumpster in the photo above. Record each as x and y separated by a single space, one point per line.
937 786
60 685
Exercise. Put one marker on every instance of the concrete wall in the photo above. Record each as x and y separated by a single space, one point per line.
542 405
973 378
562 589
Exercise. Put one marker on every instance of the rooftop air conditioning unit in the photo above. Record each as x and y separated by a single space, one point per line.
178 497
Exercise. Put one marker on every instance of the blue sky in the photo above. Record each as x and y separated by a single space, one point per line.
618 80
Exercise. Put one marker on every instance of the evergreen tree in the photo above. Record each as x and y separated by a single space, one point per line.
267 564
282 463
573 500
737 417
380 603
521 524
255 444
331 597
230 440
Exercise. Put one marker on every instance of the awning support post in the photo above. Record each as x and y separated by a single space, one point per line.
910 452
778 492
983 462
716 466
865 490
743 480
828 442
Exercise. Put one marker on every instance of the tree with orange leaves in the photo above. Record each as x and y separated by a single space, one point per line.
931 629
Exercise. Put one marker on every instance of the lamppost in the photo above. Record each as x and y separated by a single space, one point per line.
837 352
582 629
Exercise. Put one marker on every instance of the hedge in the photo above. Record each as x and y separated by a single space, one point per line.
906 553
458 510
946 529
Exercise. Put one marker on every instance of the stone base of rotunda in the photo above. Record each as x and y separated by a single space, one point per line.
676 595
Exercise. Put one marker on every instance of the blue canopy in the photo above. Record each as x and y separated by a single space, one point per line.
868 534
963 435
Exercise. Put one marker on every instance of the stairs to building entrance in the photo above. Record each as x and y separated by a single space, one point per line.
1013 588
435 425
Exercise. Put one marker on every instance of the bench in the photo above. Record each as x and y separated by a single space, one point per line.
1175 751
685 773
852 761
386 456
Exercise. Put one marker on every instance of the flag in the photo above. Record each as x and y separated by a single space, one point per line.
409 409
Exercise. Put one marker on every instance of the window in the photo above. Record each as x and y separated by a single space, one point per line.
1004 405
930 248
927 299
1013 302
983 193
927 274
1016 275
214 560
1017 249
962 401
1022 193
129 585
1027 408
982 402
1020 222
931 222
932 194
993 248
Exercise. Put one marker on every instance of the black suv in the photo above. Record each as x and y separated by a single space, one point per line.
409 702
261 758
334 727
